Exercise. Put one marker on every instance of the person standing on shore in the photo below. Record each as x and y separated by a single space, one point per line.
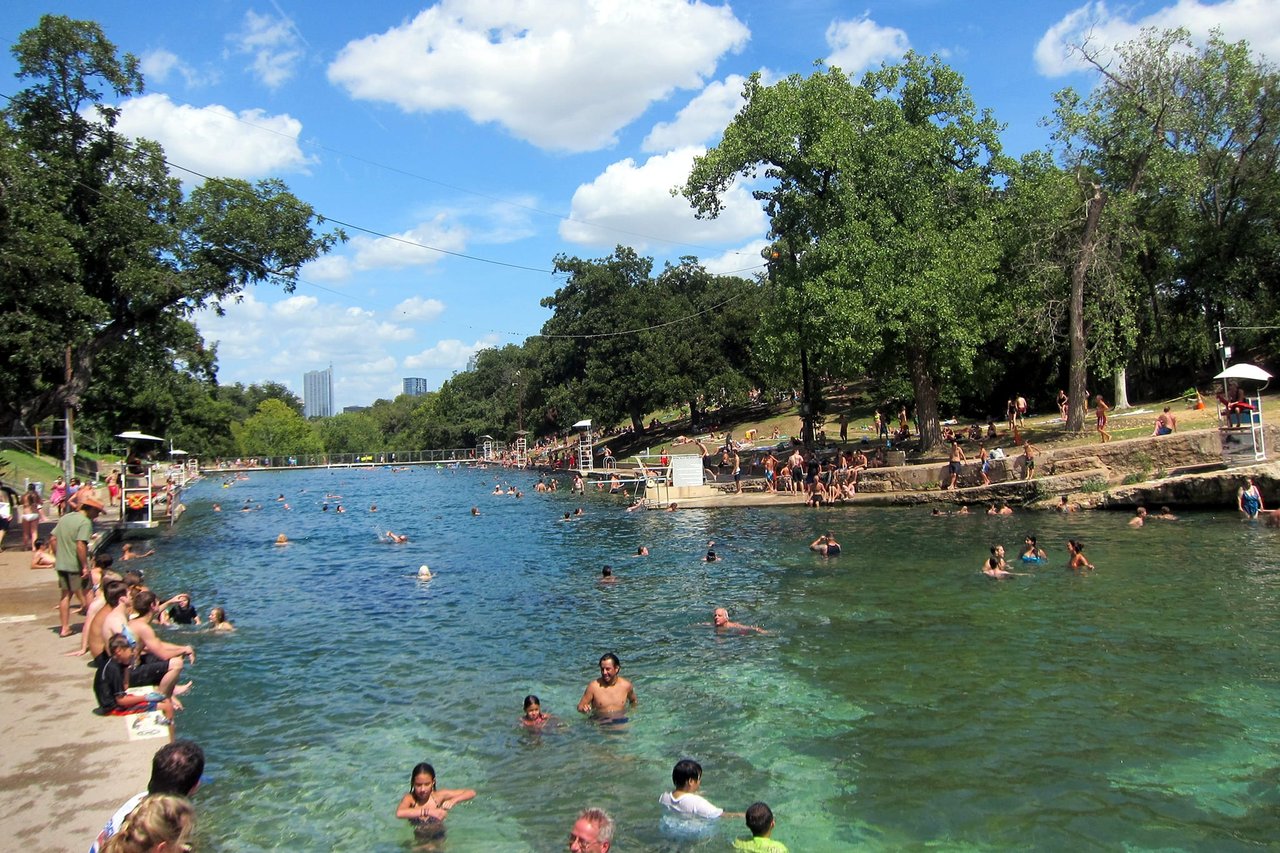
29 513
1102 409
72 534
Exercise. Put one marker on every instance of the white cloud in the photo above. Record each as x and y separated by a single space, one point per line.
702 120
744 262
273 45
413 248
565 75
449 354
159 65
634 205
417 308
215 141
280 340
861 43
1257 21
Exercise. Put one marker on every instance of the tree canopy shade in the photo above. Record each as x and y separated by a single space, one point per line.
103 256
882 203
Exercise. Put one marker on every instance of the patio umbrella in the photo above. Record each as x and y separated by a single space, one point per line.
1245 371
134 435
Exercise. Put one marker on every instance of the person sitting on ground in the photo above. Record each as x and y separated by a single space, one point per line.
127 552
825 545
176 769
218 619
146 605
122 671
684 809
91 639
1139 517
44 556
112 619
1166 423
720 619
760 822
179 611
160 823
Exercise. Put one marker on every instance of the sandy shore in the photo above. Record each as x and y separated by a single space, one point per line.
63 769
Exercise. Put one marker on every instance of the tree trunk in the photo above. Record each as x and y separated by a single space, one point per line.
926 402
695 416
807 400
1122 390
1079 271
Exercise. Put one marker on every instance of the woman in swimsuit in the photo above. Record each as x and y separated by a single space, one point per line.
1249 499
1078 560
29 513
426 806
1103 408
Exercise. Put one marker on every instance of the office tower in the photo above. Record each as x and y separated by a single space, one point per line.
415 386
317 393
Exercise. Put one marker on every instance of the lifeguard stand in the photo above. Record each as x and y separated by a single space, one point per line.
522 449
486 448
586 447
1248 421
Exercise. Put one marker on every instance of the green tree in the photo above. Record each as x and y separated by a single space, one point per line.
350 432
102 251
276 430
881 198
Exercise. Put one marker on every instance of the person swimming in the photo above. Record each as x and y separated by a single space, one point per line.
711 553
1031 552
534 717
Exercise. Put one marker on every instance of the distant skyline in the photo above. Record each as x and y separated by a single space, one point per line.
464 144
317 393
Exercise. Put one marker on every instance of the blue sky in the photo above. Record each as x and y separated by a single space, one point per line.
513 130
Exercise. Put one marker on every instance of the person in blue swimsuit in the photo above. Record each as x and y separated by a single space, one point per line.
1249 499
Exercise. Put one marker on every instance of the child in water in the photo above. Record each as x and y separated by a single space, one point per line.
218 619
426 806
534 717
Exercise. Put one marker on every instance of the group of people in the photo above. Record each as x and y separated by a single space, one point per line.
997 567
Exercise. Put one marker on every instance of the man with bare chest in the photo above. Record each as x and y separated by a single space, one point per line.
608 695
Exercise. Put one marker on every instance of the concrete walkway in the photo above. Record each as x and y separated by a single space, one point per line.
63 769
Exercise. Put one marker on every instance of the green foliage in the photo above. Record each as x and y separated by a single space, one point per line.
881 198
104 258
276 430
1095 485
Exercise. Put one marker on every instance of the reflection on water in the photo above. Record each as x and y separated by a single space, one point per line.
900 698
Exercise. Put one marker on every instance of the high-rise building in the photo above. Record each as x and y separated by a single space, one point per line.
317 393
415 386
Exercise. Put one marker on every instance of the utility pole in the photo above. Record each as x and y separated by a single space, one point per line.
69 456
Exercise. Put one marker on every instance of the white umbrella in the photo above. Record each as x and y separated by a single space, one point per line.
1245 371
134 435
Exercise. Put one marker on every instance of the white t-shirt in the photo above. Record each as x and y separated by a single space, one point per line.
688 805
117 820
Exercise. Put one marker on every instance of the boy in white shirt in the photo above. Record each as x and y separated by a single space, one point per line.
684 809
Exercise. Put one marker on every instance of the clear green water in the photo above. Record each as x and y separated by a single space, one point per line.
901 700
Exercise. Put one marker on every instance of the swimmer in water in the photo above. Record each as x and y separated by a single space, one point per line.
426 806
534 717
720 619
606 575
396 538
1031 552
993 569
475 510
1139 517
218 620
1078 560
826 545
711 554
610 694
282 539
642 551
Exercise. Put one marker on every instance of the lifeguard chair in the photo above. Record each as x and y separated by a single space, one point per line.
586 449
1238 419
486 448
522 449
